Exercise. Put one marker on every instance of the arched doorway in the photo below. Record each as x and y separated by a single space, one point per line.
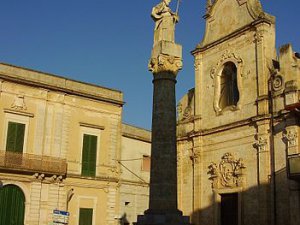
12 205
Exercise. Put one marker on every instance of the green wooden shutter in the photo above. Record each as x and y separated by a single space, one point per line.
12 205
85 216
89 155
15 137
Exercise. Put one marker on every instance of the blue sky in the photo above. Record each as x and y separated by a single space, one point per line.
108 43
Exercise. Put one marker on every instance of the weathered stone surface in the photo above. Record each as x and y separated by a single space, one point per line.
258 128
165 63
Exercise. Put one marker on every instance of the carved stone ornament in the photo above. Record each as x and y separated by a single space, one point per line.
226 57
261 144
187 114
291 137
19 103
216 73
278 82
258 36
194 155
228 173
165 63
179 111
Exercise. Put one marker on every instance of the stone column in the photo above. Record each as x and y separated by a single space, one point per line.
165 63
163 177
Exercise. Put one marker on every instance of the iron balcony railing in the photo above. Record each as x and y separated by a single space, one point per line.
23 162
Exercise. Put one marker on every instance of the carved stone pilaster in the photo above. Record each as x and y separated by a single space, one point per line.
291 138
259 36
197 64
194 156
261 144
165 63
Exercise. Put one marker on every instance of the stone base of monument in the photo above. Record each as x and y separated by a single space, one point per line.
162 219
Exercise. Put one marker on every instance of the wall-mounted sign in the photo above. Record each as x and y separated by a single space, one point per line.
60 217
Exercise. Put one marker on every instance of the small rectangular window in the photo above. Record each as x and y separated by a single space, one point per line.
15 137
146 163
85 216
89 155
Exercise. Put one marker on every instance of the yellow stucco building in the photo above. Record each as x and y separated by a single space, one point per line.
60 149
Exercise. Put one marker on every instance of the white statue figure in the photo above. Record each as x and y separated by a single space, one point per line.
165 21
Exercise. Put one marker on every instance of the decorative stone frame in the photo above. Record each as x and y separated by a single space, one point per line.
217 203
92 204
17 117
221 184
216 73
90 130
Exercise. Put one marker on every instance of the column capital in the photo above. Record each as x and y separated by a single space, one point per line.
165 63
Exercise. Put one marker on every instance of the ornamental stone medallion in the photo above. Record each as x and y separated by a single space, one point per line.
228 173
19 103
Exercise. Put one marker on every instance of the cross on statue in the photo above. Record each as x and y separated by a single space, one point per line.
177 7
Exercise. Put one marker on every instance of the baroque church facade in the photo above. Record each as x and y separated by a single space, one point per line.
238 129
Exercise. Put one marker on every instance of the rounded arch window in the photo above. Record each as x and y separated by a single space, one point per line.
229 95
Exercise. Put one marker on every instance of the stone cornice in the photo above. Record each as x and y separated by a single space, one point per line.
135 183
250 26
137 133
56 83
229 126
97 178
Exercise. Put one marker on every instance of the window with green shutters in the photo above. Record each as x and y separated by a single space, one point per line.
89 155
15 137
85 216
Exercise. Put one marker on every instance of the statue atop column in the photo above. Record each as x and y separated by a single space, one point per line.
165 62
165 20
166 54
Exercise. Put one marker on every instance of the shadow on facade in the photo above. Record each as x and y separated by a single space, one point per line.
255 205
124 220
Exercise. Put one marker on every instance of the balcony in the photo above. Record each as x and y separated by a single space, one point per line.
294 166
29 163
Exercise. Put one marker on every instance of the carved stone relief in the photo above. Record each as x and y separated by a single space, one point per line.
19 103
228 173
278 81
258 36
261 144
165 63
291 138
197 64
